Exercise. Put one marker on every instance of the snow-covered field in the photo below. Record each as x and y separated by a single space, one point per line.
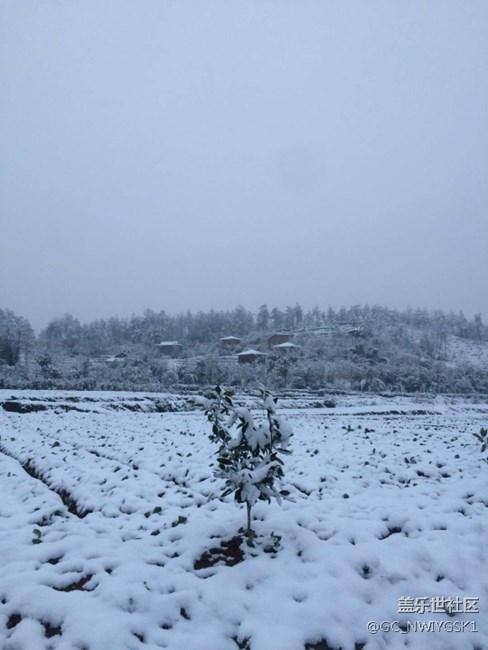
110 523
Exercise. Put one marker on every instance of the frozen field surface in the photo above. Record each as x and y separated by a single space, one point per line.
113 535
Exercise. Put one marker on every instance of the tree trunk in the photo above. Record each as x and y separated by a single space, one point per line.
248 507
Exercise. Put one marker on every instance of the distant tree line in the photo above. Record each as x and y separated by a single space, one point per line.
366 348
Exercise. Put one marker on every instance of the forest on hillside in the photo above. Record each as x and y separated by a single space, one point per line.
361 348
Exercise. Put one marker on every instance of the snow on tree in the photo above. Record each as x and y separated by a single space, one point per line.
249 448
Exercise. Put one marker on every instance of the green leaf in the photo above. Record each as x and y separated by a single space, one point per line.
224 461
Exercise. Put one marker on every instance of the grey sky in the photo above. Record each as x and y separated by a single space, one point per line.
177 154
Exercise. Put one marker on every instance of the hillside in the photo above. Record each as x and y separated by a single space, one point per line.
362 348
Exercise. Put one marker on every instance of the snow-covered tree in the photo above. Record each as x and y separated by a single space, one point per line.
249 448
16 338
262 319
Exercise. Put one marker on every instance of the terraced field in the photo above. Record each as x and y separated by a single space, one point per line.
113 533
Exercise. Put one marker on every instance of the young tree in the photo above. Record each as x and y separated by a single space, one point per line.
249 448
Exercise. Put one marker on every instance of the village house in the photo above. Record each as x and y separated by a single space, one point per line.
249 356
278 338
169 348
108 359
229 342
285 349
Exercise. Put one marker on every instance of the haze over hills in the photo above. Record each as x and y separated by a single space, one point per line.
361 348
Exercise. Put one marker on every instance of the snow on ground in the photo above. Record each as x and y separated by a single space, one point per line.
107 519
466 352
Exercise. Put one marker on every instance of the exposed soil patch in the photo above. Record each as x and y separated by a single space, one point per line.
76 586
20 407
393 530
394 412
85 404
184 614
229 553
13 621
51 630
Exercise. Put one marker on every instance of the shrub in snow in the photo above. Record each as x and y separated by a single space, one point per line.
249 448
482 436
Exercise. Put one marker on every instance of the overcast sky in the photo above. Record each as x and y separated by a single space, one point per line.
196 154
